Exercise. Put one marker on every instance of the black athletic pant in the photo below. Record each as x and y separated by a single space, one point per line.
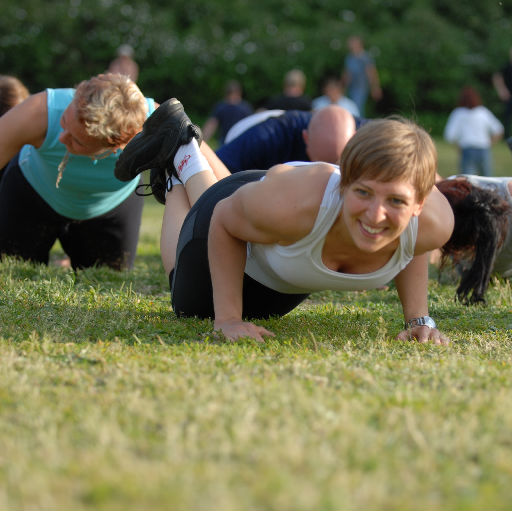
190 280
29 227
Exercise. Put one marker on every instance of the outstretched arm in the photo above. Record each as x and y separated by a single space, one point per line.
435 226
412 286
227 256
280 209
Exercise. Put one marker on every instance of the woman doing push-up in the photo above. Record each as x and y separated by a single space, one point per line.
255 244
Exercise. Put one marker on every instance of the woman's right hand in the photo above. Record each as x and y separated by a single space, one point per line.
236 329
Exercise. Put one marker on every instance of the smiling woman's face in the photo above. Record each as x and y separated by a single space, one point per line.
376 213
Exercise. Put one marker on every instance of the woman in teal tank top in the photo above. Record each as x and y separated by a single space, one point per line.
62 146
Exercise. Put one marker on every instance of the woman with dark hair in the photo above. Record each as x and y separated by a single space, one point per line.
473 128
481 242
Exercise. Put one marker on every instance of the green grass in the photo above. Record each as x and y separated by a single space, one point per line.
107 401
448 159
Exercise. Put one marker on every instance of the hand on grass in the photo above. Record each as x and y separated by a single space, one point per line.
237 329
423 334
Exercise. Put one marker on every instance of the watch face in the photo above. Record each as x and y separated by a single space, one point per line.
422 321
429 322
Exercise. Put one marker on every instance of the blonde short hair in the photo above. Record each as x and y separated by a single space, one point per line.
391 149
112 108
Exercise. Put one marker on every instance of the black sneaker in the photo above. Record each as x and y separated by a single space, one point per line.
157 185
164 131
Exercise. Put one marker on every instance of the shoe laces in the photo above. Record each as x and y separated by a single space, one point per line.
148 189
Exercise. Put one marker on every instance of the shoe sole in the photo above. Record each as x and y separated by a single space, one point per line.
152 136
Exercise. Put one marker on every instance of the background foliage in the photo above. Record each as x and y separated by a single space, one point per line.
425 49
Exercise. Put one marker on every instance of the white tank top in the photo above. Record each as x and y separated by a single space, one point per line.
298 268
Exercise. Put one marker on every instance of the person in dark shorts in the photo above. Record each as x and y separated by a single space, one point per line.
255 244
61 146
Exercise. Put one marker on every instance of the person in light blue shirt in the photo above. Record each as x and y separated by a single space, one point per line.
333 95
61 146
360 74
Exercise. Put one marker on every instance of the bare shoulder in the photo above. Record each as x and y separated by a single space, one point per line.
299 179
287 200
435 223
301 187
26 123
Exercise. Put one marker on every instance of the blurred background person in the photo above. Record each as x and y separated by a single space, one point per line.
293 96
481 242
360 76
502 81
124 63
12 92
333 94
473 128
227 112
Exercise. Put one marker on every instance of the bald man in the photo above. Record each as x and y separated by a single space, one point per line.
292 136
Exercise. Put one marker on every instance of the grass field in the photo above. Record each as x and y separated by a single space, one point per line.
448 157
107 401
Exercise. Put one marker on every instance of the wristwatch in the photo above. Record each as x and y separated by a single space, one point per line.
421 321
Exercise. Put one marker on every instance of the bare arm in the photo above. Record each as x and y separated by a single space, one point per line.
499 85
496 137
278 210
412 286
373 79
26 123
435 225
209 128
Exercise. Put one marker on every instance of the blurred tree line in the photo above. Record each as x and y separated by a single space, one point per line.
425 50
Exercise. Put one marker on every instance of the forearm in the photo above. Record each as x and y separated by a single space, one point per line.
209 128
496 138
227 256
499 85
412 286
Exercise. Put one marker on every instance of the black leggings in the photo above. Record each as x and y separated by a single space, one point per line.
190 280
29 227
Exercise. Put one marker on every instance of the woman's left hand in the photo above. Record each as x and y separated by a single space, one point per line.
423 334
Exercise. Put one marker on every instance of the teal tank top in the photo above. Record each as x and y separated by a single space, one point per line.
88 187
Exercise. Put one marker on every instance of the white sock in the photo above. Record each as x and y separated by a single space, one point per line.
189 160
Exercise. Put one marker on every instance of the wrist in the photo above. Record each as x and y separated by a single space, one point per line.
227 319
420 321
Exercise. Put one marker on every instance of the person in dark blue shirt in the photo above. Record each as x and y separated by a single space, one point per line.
227 112
293 136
